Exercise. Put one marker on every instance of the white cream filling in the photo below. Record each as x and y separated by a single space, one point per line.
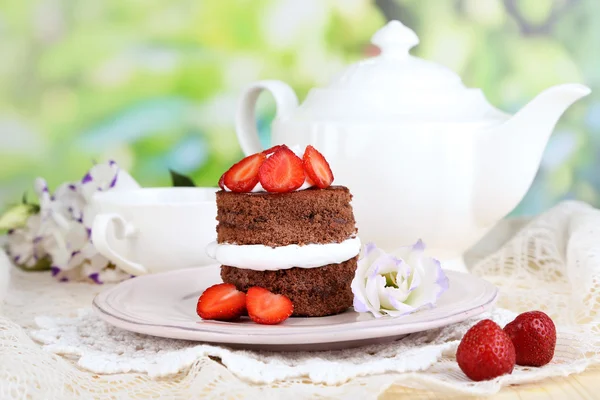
259 188
264 258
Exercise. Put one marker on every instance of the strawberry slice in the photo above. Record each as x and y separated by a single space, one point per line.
282 172
267 308
243 176
222 182
222 302
317 168
273 149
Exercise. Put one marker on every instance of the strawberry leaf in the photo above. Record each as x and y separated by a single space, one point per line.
180 180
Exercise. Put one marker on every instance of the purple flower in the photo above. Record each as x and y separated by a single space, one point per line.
61 229
113 182
96 278
106 176
87 178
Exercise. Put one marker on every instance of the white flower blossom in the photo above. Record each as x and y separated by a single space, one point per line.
397 284
62 229
104 177
24 246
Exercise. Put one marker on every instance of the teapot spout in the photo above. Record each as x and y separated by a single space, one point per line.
510 154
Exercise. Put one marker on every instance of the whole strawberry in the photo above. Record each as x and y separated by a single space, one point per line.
485 352
534 336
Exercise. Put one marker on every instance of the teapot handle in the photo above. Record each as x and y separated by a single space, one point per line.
245 123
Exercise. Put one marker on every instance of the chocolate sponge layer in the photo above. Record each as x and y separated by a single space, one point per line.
315 292
280 219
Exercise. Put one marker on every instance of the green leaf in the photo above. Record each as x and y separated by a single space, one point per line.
180 180
43 264
16 217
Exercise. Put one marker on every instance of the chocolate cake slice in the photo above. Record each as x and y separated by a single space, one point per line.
280 219
315 292
298 219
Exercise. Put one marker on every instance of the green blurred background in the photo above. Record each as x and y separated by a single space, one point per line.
153 84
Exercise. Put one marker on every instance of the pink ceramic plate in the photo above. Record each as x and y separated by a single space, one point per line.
165 305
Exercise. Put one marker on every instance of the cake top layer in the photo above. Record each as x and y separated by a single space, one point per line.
278 170
280 219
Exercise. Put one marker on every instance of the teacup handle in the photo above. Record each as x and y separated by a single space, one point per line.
123 230
245 122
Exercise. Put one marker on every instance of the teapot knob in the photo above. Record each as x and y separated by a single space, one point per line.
395 39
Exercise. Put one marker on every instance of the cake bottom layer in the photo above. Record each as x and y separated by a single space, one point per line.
315 292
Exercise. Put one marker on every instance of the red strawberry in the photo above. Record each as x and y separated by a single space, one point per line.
273 149
282 172
309 181
485 352
317 167
267 308
222 302
222 182
243 176
534 336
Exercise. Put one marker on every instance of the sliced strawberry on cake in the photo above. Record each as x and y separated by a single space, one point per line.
273 149
243 176
317 168
282 172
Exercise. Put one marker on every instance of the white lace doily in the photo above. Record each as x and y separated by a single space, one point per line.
51 346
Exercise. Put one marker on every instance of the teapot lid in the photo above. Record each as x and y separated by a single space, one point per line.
396 85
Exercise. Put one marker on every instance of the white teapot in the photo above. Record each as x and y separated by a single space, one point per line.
424 156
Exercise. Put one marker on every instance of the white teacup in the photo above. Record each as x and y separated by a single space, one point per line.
155 229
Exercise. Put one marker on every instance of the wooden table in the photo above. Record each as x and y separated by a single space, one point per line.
584 386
